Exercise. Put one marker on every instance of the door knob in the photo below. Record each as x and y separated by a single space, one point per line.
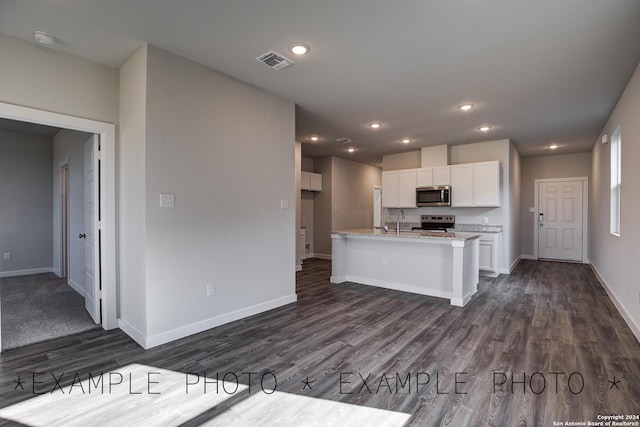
82 235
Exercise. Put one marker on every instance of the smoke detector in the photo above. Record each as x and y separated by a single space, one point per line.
274 60
344 140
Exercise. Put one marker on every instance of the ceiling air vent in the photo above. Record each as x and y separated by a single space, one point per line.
274 60
344 140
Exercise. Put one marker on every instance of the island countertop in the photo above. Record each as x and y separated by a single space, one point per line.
429 235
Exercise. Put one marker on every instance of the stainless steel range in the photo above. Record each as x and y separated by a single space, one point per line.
436 222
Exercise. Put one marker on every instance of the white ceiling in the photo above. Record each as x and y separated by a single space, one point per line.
538 71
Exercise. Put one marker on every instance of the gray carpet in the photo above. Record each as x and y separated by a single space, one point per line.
40 307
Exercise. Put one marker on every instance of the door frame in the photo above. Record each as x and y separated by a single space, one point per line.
585 213
107 176
65 262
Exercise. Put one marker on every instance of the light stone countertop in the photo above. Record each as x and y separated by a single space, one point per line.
427 235
477 228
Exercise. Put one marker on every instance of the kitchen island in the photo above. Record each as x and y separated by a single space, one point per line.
442 265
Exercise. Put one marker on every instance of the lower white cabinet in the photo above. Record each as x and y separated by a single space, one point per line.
489 254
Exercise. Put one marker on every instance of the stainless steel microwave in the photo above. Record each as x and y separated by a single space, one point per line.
433 196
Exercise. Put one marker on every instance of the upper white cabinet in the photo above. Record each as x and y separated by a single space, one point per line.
310 181
424 177
475 184
428 177
399 189
442 175
486 184
462 185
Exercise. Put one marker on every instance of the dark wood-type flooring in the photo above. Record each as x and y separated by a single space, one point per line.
540 345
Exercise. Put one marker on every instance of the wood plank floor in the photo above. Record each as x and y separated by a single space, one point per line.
543 344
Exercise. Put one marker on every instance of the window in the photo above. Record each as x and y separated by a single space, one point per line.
616 180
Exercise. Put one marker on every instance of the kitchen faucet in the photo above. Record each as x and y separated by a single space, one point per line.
400 211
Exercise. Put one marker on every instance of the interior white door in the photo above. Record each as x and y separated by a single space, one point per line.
560 218
91 233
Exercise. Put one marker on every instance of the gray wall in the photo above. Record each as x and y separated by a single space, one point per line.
306 205
26 194
346 200
544 167
68 147
322 209
616 258
207 139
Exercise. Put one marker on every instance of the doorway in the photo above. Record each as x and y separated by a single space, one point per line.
106 204
561 223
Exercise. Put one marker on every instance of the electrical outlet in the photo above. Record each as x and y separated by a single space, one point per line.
211 290
7 256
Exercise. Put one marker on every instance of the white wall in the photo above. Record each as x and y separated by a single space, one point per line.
616 258
68 147
543 167
132 282
34 76
207 140
25 202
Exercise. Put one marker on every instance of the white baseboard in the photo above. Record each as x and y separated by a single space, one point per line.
55 271
203 325
321 256
528 257
133 333
298 267
15 273
635 328
76 287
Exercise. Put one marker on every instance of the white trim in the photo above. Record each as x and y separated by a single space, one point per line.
523 256
514 264
26 272
107 132
585 213
298 267
133 333
635 328
203 325
321 256
76 287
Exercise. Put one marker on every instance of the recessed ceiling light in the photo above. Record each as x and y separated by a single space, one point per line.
484 128
314 138
553 146
406 141
43 38
299 48
351 149
465 107
375 125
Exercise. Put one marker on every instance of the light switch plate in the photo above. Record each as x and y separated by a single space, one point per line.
167 200
284 204
532 210
7 256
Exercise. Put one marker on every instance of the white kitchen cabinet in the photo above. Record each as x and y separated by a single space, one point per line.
310 181
305 180
486 184
462 185
424 177
407 188
488 253
399 189
428 177
442 175
316 182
